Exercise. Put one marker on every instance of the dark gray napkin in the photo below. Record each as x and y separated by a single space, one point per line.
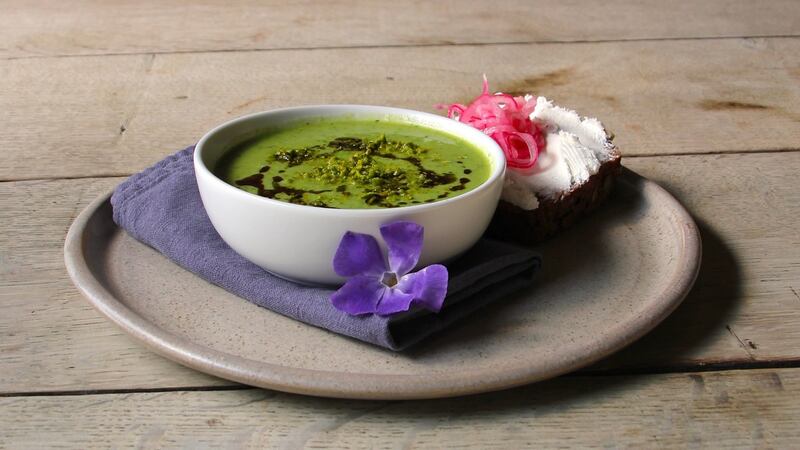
161 207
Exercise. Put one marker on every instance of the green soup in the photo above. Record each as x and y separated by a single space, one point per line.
355 163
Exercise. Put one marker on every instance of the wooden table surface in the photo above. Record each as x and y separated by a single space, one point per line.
704 98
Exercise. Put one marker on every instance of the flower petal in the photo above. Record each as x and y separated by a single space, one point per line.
428 286
358 254
394 301
359 295
404 240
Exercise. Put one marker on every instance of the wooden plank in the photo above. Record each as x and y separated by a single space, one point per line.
49 336
744 309
90 116
38 28
737 409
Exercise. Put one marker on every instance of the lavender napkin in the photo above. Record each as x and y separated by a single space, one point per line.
161 207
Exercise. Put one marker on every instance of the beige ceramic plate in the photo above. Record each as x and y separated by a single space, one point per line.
605 284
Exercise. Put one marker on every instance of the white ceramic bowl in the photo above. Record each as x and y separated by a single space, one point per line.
298 242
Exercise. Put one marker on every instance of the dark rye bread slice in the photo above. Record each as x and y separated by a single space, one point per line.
510 222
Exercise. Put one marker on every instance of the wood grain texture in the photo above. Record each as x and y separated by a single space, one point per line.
737 409
42 28
88 116
181 68
744 308
747 208
44 320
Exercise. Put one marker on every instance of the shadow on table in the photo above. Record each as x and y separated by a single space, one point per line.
708 308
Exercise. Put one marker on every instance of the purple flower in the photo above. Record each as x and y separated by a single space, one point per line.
374 287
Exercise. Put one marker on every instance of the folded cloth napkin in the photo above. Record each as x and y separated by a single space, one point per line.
161 207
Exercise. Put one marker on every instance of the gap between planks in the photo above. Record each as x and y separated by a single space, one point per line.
726 366
386 46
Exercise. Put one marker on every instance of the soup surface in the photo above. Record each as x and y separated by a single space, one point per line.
355 163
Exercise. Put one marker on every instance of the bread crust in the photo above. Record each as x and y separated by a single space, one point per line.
512 223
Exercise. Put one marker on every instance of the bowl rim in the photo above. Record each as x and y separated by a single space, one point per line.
466 132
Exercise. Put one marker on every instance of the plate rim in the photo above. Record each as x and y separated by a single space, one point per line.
370 385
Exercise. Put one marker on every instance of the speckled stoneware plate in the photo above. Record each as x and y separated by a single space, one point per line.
605 283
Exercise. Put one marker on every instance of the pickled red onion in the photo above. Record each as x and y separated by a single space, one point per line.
506 119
